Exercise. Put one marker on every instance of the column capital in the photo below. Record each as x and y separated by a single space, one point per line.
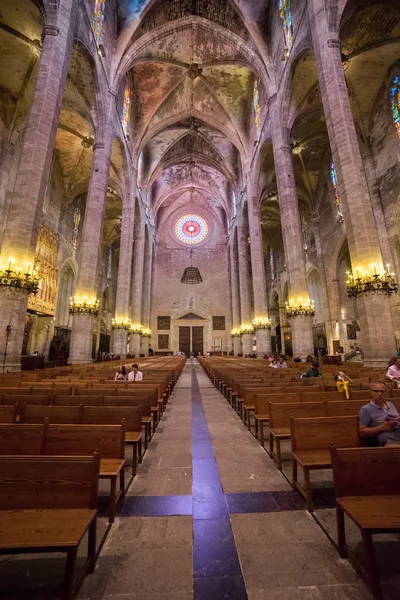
333 43
51 30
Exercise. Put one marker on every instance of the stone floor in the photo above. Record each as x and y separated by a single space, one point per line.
209 517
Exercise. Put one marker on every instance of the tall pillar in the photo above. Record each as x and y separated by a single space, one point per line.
19 242
247 339
147 274
137 288
237 344
302 336
5 169
374 310
124 274
83 324
259 282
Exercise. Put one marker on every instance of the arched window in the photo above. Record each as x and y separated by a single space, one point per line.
338 199
77 220
140 170
126 112
234 204
109 262
287 22
256 108
395 102
98 20
272 264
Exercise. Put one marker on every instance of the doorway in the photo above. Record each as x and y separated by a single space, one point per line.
191 339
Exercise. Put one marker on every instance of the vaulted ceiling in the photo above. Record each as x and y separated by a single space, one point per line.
192 66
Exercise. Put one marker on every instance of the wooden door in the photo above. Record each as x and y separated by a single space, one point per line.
184 340
197 340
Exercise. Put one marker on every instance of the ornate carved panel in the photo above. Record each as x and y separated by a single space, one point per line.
46 263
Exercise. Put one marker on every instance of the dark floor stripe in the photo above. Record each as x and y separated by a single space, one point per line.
217 572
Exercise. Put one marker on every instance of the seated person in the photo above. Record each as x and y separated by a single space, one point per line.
297 359
393 372
314 370
380 418
341 384
121 374
135 375
281 363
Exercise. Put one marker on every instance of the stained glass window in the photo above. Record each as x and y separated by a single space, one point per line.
98 20
126 112
338 199
287 22
109 264
77 220
256 107
234 204
140 169
191 229
272 264
395 102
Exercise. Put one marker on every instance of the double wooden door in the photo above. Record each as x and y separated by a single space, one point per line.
191 339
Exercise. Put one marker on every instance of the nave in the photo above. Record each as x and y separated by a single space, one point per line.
208 516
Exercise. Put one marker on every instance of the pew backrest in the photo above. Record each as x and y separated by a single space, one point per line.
54 414
76 440
280 413
114 415
320 432
8 413
366 471
16 439
46 482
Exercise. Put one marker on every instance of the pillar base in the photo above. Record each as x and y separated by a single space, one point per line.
134 344
302 336
237 346
263 342
247 344
377 330
120 342
13 312
83 328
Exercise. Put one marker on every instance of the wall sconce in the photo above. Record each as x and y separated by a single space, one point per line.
14 279
301 309
146 332
136 329
120 323
235 332
375 283
84 305
246 328
261 323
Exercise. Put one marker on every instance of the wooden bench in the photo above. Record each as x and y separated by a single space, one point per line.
311 439
114 415
9 413
367 489
47 504
72 440
279 422
54 414
261 411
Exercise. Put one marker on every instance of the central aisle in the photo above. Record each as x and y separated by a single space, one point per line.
209 517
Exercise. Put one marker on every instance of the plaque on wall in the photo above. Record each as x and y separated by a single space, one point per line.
163 342
164 323
218 323
351 332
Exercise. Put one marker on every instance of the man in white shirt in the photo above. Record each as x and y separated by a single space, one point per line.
135 375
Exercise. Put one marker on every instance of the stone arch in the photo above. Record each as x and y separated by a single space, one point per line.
66 288
314 284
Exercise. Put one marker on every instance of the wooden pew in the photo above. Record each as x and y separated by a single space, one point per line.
261 411
137 400
40 399
279 422
9 413
76 440
47 504
114 415
367 489
311 439
72 440
55 414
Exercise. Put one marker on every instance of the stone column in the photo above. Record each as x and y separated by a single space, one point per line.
147 274
259 281
374 311
245 309
237 344
5 168
302 337
137 289
124 275
26 208
83 325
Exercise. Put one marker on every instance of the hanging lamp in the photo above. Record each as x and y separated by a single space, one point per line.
191 275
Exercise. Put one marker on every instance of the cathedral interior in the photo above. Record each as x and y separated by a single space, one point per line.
200 176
